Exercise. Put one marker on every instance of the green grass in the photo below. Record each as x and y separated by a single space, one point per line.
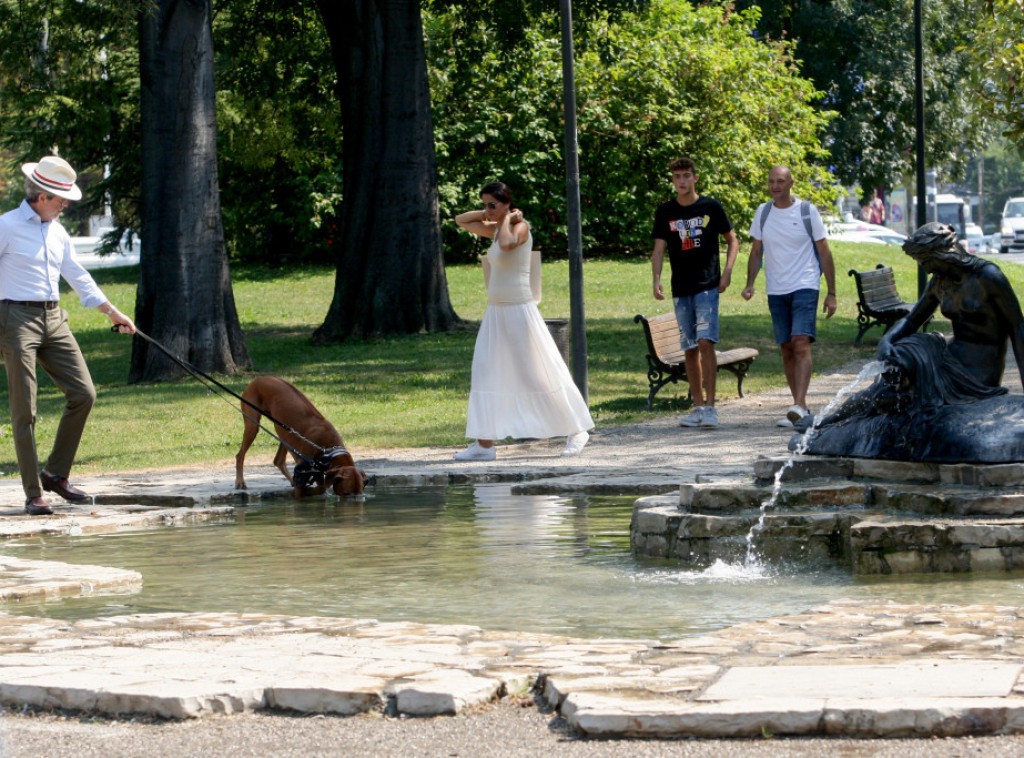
410 391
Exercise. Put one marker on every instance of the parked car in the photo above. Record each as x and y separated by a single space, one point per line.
877 238
975 241
1012 230
834 225
862 231
126 253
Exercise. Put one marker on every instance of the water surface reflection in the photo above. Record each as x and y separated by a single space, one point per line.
475 555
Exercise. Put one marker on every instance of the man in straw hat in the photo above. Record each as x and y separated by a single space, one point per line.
35 252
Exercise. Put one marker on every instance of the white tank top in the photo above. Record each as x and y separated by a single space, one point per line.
509 282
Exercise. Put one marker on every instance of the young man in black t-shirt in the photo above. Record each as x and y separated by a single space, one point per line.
689 226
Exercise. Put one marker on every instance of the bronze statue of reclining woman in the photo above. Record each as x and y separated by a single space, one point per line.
940 397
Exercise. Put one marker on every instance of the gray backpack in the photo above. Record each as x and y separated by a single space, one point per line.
805 216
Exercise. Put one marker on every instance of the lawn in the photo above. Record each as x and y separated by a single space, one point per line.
411 390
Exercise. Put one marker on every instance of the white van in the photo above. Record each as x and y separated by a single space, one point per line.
1011 238
949 209
953 210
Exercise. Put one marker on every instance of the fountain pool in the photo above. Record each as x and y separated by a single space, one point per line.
464 554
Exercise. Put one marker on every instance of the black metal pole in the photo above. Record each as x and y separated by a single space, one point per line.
922 200
577 317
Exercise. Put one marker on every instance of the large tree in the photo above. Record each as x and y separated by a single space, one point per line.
184 299
390 268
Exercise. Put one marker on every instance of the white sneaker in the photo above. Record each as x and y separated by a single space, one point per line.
710 416
476 452
784 423
574 443
695 418
796 413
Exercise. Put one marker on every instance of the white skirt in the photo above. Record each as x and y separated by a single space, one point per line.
521 386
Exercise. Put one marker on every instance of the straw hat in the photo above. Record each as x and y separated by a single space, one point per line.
54 175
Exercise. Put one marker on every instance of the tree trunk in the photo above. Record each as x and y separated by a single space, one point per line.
390 277
184 299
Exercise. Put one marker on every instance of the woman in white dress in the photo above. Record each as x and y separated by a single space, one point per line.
521 386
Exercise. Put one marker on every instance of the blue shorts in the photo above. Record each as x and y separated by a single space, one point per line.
697 316
794 315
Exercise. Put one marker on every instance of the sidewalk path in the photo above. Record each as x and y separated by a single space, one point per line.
856 669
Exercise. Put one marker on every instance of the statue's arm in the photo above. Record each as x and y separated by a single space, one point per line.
918 317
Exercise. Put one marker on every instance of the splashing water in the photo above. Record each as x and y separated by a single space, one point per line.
721 571
870 371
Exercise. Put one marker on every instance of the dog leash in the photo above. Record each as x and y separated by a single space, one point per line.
319 462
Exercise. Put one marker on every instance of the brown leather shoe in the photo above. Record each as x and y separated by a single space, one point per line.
60 485
36 506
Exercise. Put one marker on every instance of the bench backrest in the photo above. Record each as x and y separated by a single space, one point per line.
877 288
664 334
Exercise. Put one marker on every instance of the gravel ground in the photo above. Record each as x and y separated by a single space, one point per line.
509 728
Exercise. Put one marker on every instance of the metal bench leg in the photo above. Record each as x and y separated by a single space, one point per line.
860 334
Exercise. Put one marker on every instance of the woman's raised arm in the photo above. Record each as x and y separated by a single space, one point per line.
476 222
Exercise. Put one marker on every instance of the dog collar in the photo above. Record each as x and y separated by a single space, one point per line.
331 453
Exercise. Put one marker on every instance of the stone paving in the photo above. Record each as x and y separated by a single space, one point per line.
848 668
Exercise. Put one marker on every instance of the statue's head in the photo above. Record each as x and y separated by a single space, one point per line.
936 242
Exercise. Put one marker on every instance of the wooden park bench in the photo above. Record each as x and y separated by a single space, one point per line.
878 302
666 361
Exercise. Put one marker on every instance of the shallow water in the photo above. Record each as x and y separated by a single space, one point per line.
473 555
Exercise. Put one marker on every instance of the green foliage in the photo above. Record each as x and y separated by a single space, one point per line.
70 83
999 54
683 81
279 131
860 54
651 85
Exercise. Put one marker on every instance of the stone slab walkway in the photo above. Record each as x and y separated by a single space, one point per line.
848 668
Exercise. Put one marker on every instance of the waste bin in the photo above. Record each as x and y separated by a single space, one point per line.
559 328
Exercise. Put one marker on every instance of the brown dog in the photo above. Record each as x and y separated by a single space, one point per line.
282 401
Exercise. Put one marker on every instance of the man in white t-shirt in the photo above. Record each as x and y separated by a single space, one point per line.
790 237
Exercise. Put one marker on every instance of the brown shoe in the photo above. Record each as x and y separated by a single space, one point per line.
60 485
36 506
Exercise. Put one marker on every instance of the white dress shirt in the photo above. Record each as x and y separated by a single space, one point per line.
34 255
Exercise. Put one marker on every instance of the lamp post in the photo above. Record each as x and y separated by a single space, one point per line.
922 207
577 318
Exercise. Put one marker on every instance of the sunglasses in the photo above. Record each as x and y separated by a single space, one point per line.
490 206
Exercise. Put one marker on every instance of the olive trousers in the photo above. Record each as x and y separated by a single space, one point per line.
29 334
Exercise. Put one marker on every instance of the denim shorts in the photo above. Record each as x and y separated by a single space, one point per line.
697 316
794 315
